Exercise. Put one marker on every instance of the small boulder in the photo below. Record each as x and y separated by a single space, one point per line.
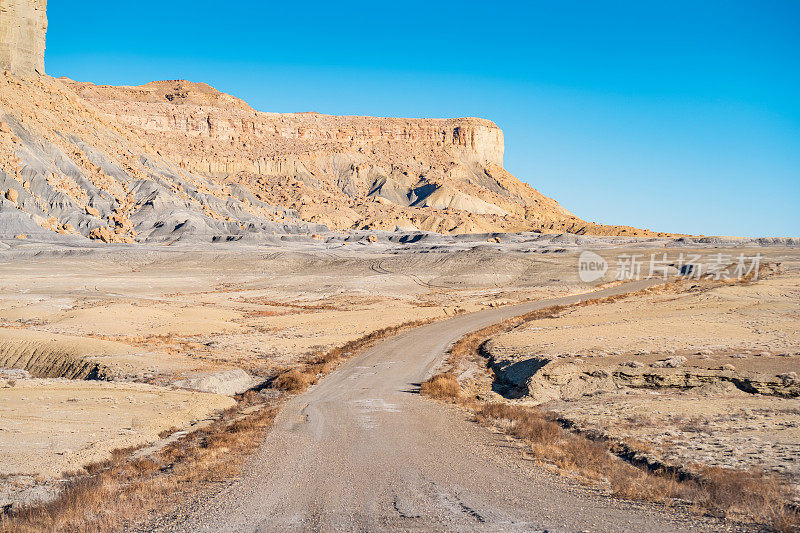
372 238
633 364
12 195
729 367
673 362
21 237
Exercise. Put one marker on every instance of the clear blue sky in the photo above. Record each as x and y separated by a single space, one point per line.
674 116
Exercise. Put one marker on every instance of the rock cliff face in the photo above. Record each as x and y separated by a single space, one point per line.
66 172
442 175
175 159
198 111
23 26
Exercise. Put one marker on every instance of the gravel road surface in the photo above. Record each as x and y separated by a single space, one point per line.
362 451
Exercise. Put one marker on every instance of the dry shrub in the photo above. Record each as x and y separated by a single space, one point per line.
520 421
294 381
759 495
631 483
120 492
441 387
753 496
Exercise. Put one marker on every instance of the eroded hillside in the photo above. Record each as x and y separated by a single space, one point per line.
175 160
443 175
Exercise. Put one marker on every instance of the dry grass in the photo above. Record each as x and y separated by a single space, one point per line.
753 497
262 313
305 307
442 387
294 381
300 378
122 491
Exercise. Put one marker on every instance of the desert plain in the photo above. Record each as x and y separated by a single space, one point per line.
123 347
218 318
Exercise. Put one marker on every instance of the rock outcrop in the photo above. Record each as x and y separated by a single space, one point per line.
67 172
23 26
347 172
173 160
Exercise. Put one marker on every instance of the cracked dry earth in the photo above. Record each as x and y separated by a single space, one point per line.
362 451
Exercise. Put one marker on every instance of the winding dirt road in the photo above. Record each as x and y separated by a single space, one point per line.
362 452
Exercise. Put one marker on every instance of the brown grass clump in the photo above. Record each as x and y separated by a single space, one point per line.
120 493
294 381
520 422
753 493
442 387
548 440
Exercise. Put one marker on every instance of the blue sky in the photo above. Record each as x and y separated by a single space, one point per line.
674 116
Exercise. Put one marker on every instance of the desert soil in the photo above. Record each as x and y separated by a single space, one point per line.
163 318
704 377
51 427
362 451
178 318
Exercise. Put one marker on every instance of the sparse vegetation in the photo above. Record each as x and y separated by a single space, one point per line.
751 496
123 490
441 387
742 495
294 380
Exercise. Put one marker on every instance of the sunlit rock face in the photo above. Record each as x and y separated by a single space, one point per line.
23 27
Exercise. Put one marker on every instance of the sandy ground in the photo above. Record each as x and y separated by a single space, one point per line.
361 452
706 377
51 427
157 315
76 421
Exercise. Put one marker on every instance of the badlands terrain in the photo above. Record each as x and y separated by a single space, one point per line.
132 346
217 318
695 375
107 320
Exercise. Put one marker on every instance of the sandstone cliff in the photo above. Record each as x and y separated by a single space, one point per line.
442 175
23 25
175 159
66 172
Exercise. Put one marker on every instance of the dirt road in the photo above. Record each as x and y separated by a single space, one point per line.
362 451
